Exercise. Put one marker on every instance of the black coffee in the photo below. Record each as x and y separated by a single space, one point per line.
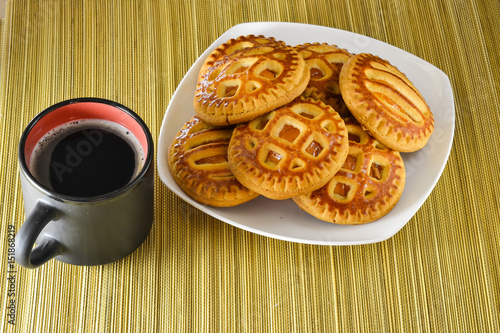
91 162
86 161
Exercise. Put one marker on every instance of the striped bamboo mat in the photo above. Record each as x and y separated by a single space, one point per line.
440 273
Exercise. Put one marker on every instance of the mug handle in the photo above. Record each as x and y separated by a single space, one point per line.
25 254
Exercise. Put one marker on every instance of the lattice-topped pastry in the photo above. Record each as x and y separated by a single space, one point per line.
239 86
290 151
235 45
367 187
325 62
198 163
386 103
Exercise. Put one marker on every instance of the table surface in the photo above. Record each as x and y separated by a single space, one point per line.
194 273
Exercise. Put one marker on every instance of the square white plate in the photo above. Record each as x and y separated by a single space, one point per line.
284 219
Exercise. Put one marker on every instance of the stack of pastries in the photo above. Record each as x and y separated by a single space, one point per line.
310 122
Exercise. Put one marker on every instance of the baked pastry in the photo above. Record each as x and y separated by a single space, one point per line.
290 151
386 103
197 159
367 187
235 45
249 82
325 62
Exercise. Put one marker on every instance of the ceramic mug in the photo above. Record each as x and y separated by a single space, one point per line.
86 168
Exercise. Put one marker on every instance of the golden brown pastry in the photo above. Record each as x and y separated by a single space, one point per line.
290 151
386 103
239 86
235 45
325 62
367 187
197 159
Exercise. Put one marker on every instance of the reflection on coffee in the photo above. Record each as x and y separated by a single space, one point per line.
87 158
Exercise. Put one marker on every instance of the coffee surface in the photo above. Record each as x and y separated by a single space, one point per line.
87 158
82 167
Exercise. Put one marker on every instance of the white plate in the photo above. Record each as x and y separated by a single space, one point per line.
283 219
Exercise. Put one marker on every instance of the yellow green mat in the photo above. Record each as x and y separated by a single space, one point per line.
440 273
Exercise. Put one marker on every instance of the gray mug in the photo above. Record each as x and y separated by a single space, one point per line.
86 168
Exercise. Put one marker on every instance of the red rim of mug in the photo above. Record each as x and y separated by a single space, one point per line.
80 109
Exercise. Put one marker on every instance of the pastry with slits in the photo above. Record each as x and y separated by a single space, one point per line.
290 151
245 78
325 62
367 187
386 103
197 159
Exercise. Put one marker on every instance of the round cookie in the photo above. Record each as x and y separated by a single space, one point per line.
197 159
290 151
386 103
325 62
234 45
367 187
249 82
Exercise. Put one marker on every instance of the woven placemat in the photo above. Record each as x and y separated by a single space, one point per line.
194 273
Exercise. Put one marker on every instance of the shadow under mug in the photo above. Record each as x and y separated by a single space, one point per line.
84 230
